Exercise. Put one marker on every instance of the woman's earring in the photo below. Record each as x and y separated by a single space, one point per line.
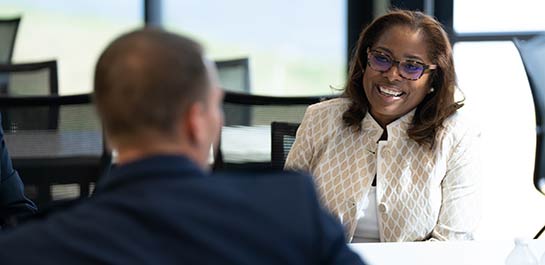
431 90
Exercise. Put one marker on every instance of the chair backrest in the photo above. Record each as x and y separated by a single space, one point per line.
282 138
8 34
29 79
32 79
246 136
234 74
57 164
532 53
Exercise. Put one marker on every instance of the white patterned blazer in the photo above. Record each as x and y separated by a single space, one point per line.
421 193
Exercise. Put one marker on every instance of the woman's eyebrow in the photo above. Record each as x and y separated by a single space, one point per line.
414 57
405 57
383 49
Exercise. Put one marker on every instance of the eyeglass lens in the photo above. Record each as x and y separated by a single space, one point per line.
407 69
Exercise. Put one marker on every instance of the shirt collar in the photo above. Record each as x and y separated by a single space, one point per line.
396 129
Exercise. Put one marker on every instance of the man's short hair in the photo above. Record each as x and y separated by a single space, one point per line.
145 80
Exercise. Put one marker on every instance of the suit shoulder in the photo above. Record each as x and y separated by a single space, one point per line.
288 181
270 175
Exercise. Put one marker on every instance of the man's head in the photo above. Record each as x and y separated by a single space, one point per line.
155 93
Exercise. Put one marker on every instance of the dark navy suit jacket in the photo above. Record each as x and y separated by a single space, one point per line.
13 202
165 210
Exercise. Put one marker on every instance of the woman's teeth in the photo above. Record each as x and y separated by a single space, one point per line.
389 92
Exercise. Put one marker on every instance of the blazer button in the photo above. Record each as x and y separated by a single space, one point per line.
382 207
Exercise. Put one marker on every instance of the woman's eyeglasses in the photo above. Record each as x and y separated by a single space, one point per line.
410 70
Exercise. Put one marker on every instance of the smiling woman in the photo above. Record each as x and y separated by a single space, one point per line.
393 159
389 95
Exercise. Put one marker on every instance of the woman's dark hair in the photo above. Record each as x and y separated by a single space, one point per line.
436 106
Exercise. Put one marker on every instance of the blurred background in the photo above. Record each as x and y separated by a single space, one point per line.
301 48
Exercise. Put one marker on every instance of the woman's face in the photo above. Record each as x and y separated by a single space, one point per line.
390 95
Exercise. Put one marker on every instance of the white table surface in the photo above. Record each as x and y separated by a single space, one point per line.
444 253
51 143
246 143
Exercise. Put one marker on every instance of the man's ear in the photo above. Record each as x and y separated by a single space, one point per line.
196 124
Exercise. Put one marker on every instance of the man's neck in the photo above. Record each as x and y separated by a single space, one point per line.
127 154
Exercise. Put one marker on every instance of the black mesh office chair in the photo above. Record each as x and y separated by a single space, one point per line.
246 136
234 74
532 53
59 164
282 138
29 79
8 35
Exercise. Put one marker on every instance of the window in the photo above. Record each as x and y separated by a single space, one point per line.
498 16
294 47
498 97
492 75
72 32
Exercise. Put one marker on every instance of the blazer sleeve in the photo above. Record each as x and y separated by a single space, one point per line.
13 202
460 206
301 153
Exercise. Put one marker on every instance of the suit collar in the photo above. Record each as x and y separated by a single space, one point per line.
151 167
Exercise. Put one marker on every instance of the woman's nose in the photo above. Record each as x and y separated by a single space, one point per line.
393 73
